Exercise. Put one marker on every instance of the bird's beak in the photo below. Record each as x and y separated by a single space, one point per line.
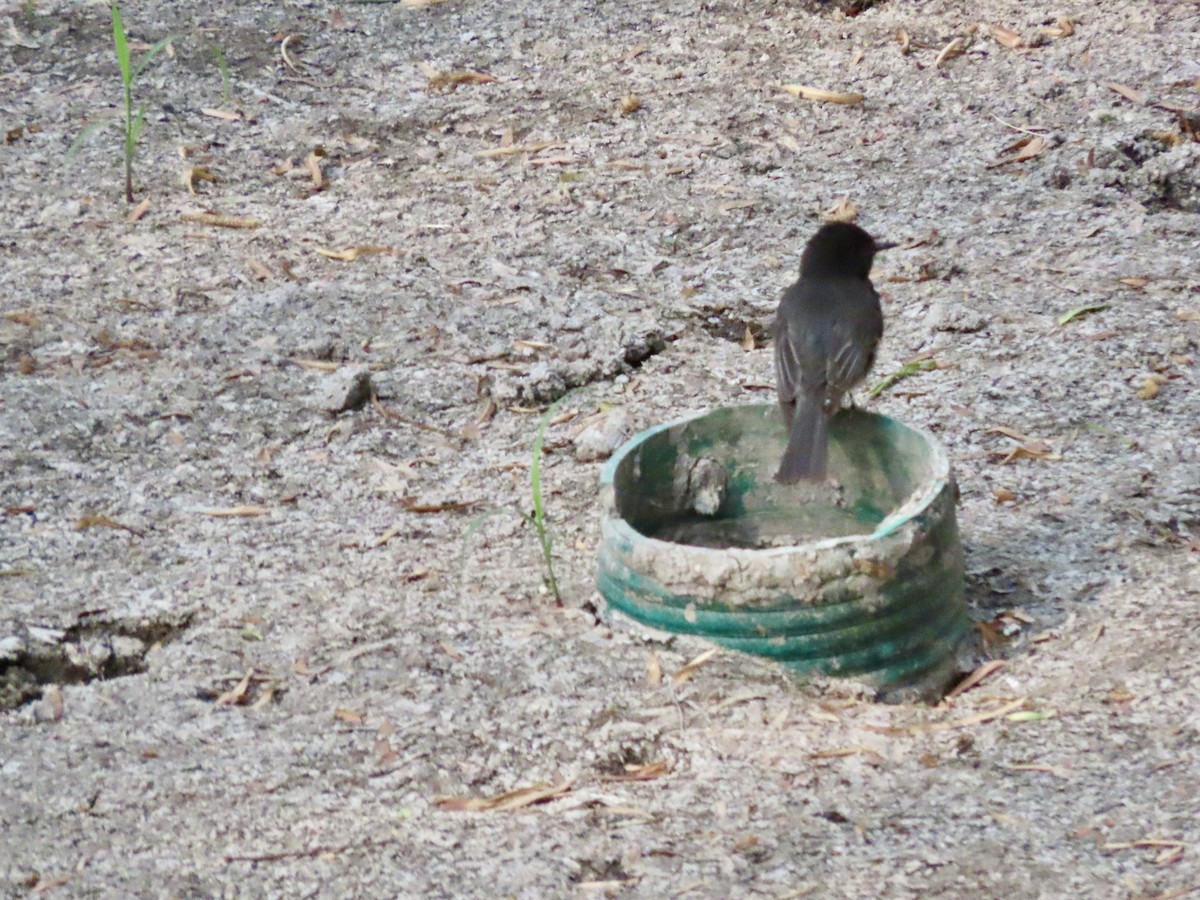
885 245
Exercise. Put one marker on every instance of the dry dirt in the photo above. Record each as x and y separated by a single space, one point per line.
272 702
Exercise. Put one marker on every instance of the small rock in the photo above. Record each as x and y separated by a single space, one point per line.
706 486
346 389
11 648
600 439
50 707
955 317
60 212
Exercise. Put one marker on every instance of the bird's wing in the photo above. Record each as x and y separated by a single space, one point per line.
850 360
787 362
854 339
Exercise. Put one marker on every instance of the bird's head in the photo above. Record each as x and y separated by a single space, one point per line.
840 249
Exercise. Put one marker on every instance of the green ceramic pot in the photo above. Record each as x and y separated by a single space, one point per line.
862 575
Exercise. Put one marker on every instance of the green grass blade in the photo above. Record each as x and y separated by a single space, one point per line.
81 138
538 517
1081 311
135 127
153 52
539 510
477 523
122 45
908 370
226 78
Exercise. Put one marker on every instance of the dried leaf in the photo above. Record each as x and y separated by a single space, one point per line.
748 340
1169 857
20 317
518 799
350 716
194 175
1019 615
92 521
956 47
265 698
1147 843
283 51
987 670
563 159
237 695
418 4
259 269
539 346
1032 715
872 756
1040 767
487 411
653 670
1012 433
730 205
438 81
1136 283
977 719
517 149
629 104
1027 148
1133 96
1029 447
1003 495
1081 311
350 254
44 885
222 221
383 539
843 210
312 163
12 135
1027 452
1151 386
1063 27
229 115
235 512
1006 38
1187 315
647 772
410 504
820 95
138 211
690 669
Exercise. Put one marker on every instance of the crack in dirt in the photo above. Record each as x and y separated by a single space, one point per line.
548 382
34 657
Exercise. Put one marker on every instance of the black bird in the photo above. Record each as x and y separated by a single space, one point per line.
826 332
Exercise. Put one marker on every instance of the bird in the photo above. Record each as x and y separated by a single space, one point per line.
826 332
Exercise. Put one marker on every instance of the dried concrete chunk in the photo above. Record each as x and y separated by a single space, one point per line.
706 487
600 439
345 389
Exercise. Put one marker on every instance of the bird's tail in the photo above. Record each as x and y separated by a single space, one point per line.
808 444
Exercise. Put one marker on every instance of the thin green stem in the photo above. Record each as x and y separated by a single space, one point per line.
538 517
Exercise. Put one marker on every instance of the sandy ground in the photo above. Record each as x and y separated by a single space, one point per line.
251 646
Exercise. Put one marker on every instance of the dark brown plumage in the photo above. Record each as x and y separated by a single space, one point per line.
826 332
